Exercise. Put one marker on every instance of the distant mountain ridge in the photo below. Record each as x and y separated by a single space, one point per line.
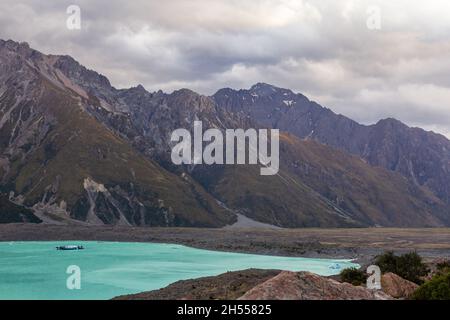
119 156
421 156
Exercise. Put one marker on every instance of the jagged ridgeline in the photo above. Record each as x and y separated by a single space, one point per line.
74 149
65 165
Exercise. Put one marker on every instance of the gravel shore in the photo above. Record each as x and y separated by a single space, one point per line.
359 244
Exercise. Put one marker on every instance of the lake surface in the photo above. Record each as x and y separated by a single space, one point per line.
36 270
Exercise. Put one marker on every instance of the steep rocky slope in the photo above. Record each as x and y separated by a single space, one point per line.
316 186
13 213
59 160
321 186
74 147
423 157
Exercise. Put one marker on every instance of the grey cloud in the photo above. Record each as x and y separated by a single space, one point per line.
321 48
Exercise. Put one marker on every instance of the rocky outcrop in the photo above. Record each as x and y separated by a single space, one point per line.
255 284
227 286
396 286
13 213
308 286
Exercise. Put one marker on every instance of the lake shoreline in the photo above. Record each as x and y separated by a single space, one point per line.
358 244
35 270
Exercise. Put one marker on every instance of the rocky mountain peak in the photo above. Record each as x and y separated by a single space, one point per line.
140 88
186 98
263 88
80 74
421 156
185 92
13 45
135 92
12 49
391 122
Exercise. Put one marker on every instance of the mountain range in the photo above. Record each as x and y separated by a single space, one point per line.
76 150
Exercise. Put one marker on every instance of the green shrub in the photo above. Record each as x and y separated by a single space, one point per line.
387 262
409 266
354 276
443 267
438 288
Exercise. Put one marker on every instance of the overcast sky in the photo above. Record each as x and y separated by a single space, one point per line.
330 50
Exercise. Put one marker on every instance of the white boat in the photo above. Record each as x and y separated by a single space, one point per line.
70 247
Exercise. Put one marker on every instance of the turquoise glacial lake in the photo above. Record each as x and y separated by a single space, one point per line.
36 270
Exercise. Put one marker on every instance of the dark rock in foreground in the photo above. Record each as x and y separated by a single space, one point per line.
227 286
396 286
255 284
309 286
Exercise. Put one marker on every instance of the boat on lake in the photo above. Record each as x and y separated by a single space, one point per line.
70 247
